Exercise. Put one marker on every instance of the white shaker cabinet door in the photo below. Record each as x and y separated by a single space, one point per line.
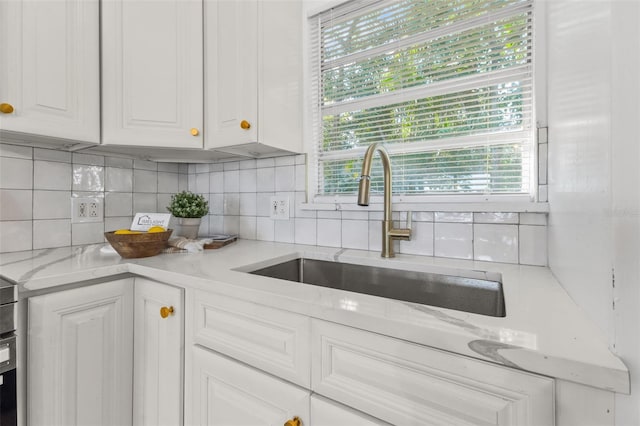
49 68
158 349
152 73
227 393
80 356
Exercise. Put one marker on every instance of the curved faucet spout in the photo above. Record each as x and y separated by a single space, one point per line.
388 232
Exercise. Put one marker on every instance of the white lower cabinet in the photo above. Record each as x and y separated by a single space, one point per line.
84 367
158 354
325 412
227 393
80 356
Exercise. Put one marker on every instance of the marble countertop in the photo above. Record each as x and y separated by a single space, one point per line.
543 332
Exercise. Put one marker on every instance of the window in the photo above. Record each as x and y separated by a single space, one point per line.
446 86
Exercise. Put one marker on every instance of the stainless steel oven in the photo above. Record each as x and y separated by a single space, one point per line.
8 390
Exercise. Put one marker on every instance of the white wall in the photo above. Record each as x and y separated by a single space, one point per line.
594 161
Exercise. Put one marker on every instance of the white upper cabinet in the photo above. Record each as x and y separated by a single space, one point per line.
253 76
152 73
49 68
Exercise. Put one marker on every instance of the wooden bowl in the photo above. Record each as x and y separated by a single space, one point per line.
146 244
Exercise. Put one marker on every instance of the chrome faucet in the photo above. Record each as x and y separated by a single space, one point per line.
389 233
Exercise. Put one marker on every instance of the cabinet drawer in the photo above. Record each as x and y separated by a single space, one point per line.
269 339
409 384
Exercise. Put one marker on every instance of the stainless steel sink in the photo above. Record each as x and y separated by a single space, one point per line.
475 295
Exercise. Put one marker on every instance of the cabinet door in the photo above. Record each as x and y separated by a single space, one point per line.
158 349
49 71
231 71
227 393
80 356
152 77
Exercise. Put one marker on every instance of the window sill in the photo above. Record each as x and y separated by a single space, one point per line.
400 206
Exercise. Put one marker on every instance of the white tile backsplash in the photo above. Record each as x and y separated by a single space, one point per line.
239 194
495 243
453 240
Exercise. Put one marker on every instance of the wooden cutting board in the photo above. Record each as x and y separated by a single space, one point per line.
220 241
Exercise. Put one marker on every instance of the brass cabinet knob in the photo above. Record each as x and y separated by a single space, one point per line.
165 312
195 132
294 422
6 108
245 124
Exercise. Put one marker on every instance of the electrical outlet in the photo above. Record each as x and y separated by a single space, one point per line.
86 209
279 208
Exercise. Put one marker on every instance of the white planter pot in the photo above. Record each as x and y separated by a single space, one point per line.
189 227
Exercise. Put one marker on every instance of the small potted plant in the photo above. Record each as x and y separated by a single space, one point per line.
189 209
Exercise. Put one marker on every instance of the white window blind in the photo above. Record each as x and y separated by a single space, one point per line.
446 86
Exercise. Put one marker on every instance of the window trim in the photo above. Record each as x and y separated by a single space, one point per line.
440 202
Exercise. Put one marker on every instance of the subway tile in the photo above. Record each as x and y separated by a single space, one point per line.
543 195
203 230
453 217
231 165
118 204
216 182
285 178
163 201
247 164
86 178
301 198
247 227
495 243
191 169
146 203
51 204
216 167
122 163
421 242
507 218
87 233
231 225
375 235
216 204
51 233
355 215
265 162
202 183
145 181
422 216
51 155
453 240
16 204
118 179
284 231
542 163
533 245
16 151
305 231
266 179
145 165
53 175
17 173
202 168
287 160
231 204
301 159
87 159
329 214
168 183
231 181
183 182
355 234
533 218
216 224
248 181
169 167
329 232
183 168
16 235
301 177
248 206
265 229
263 203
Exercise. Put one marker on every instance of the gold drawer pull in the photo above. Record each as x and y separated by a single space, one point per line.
6 108
245 124
294 422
